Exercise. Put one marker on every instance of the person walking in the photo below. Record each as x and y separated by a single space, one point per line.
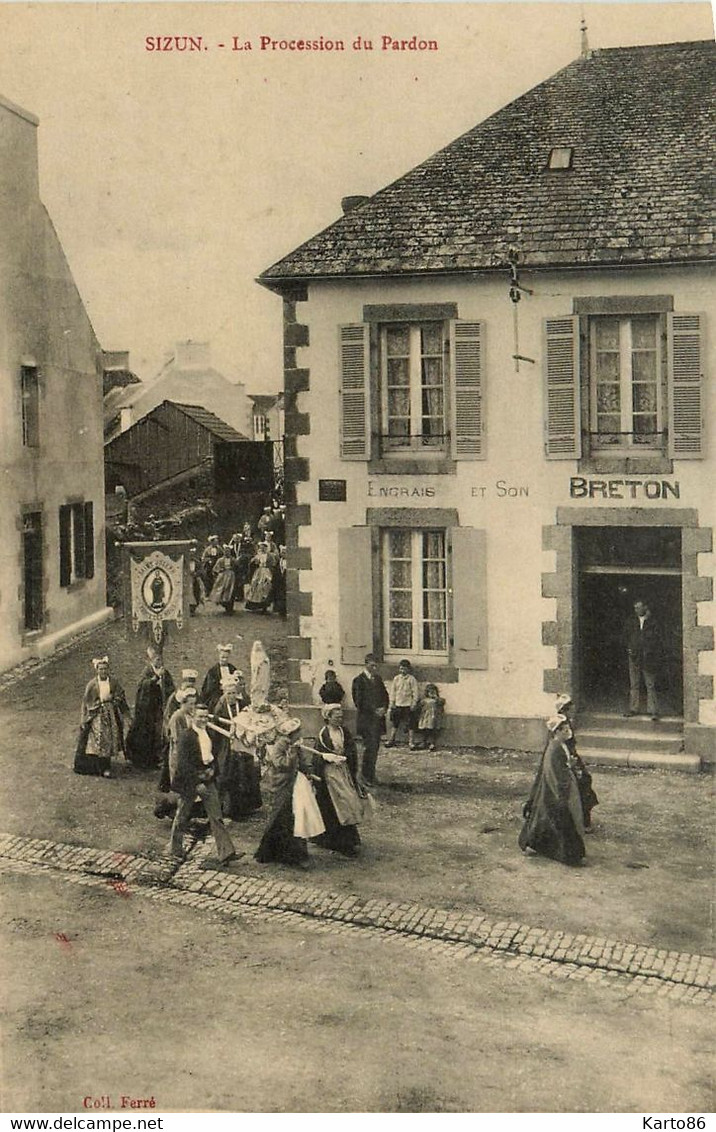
554 824
194 777
104 716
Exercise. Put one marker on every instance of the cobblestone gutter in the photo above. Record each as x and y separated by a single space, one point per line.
458 933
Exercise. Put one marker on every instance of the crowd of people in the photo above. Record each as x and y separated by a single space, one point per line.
225 751
250 567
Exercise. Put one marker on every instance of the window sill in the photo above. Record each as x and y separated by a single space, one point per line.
605 463
393 465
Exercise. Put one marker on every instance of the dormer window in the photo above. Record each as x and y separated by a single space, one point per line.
560 157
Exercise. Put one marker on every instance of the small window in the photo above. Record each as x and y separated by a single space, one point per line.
76 542
560 157
415 593
30 394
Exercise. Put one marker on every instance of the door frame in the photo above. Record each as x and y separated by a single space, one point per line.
563 585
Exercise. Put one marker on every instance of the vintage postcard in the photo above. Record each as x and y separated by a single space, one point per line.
357 620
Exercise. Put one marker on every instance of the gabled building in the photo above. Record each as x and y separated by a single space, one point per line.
187 377
186 446
52 550
500 414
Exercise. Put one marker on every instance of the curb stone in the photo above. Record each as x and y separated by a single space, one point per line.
455 933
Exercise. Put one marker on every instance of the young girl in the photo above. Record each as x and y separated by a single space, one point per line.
331 692
429 714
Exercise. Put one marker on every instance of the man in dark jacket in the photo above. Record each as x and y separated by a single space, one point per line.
370 696
644 650
194 777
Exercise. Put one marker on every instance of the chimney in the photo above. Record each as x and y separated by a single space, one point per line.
192 355
349 203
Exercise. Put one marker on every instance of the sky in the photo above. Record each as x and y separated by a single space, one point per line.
174 179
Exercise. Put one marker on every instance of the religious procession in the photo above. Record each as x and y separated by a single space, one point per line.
224 752
250 568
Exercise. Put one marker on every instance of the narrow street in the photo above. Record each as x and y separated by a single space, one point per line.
442 971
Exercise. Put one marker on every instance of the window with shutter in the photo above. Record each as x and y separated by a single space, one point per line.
355 393
413 388
562 408
685 386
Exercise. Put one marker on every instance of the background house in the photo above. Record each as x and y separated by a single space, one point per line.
500 414
186 448
187 377
52 561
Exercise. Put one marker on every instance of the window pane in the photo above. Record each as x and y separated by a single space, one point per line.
433 544
434 637
434 575
400 635
398 371
608 398
643 333
399 544
644 398
645 424
607 366
434 605
643 366
606 333
431 338
432 372
398 403
399 575
400 604
397 340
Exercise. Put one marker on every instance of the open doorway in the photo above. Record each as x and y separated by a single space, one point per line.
616 567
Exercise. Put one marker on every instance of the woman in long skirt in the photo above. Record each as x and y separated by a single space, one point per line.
146 740
336 768
554 823
104 715
239 777
260 589
282 762
223 591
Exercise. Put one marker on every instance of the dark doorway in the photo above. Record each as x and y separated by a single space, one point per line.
32 570
618 566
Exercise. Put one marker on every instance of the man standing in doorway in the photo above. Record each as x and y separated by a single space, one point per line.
643 641
370 696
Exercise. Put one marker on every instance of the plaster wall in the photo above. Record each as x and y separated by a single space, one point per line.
513 493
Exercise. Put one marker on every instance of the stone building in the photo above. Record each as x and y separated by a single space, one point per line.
500 415
52 557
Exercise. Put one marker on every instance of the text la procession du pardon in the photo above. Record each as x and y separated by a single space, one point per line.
193 43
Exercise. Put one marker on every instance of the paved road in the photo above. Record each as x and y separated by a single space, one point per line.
212 991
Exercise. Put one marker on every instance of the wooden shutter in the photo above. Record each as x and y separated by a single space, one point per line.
469 596
355 392
78 532
685 385
355 594
65 545
89 540
563 440
467 351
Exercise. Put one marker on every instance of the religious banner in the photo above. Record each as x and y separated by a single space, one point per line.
156 585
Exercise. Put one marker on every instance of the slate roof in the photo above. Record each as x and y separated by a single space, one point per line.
213 424
639 190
